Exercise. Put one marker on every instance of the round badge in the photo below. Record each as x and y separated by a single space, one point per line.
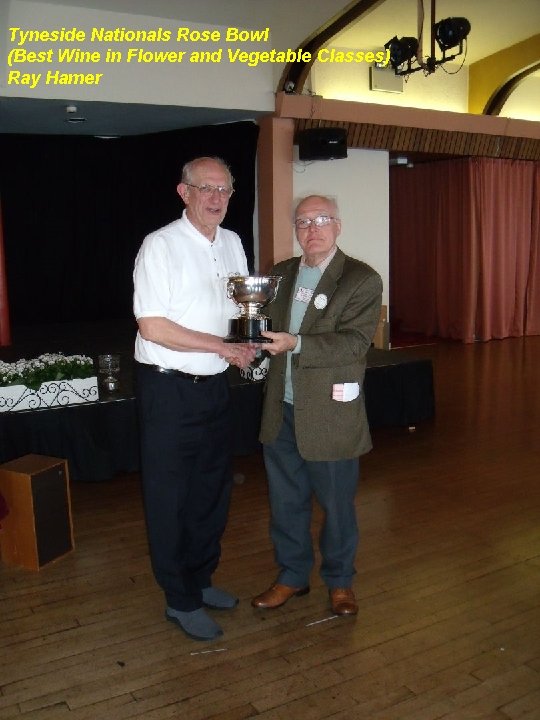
320 301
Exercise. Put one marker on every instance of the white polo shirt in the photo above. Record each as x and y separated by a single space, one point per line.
179 274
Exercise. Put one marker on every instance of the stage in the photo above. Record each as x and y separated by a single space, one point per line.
100 439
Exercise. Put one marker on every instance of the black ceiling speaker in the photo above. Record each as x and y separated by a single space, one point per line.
325 143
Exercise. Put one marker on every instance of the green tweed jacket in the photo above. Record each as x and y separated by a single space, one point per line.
335 341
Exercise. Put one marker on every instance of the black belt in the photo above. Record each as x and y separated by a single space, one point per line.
178 373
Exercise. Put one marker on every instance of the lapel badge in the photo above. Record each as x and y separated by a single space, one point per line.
320 301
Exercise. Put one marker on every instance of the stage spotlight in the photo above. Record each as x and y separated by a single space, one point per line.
402 50
451 32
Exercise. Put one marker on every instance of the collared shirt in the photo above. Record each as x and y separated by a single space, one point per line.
323 264
321 267
180 275
308 277
307 280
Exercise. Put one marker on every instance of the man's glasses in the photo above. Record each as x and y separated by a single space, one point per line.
319 221
211 189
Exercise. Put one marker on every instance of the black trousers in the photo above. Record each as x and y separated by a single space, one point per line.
186 469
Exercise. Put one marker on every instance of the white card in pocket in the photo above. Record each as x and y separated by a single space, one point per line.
345 392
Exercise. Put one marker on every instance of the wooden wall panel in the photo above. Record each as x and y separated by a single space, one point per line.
443 143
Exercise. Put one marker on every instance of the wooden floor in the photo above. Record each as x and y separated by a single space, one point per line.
448 584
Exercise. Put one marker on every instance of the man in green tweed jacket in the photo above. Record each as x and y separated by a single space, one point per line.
314 424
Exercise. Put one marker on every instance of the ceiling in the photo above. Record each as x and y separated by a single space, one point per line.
496 24
106 119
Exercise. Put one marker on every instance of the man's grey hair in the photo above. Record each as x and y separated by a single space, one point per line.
327 198
188 171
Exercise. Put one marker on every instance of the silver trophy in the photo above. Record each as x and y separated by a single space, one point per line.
251 293
109 369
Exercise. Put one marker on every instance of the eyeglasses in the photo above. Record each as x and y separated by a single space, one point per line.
211 189
319 221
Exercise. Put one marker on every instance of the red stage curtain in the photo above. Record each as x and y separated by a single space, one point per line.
464 238
5 331
532 311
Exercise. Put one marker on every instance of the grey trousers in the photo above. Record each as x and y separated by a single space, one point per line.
292 483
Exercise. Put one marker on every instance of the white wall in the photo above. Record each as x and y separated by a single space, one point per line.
444 90
518 104
220 84
360 183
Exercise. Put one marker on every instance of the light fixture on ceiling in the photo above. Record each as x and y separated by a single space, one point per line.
71 115
402 51
288 87
448 33
451 32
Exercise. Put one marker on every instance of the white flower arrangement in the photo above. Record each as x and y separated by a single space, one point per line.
45 368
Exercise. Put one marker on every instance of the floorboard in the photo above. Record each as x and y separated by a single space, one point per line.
448 584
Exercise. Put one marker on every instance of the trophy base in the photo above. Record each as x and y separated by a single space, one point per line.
248 330
110 384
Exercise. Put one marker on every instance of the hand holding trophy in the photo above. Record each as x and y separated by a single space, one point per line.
251 294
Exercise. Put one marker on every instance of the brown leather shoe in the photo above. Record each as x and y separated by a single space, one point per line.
343 601
277 595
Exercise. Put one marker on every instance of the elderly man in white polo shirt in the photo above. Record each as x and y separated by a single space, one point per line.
182 312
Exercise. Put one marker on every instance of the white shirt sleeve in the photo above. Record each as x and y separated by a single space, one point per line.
151 296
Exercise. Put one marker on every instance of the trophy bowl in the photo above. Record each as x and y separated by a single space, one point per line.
251 293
